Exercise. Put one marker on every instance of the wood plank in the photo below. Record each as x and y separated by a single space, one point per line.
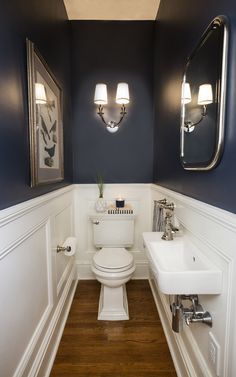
134 348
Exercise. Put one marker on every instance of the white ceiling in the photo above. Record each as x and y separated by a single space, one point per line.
112 9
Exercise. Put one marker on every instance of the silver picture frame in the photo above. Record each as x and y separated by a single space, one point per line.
45 121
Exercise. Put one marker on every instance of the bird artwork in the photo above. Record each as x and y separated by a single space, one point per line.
50 151
54 127
48 131
49 161
43 136
44 127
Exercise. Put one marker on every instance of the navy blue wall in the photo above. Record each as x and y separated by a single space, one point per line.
45 23
111 52
179 25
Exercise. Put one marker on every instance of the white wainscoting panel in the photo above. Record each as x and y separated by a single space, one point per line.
63 222
214 232
136 195
35 282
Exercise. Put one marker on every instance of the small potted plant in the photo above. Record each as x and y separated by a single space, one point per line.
100 204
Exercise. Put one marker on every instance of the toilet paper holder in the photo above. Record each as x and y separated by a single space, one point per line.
63 248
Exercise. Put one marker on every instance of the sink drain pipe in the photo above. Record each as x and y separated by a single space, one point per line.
191 314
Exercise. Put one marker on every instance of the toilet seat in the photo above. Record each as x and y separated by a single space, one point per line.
113 260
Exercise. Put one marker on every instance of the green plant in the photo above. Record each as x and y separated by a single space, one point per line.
100 183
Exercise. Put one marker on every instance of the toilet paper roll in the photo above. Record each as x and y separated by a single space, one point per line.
72 243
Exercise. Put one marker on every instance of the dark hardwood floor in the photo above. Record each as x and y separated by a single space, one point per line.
134 348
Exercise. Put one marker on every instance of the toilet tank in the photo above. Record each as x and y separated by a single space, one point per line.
114 230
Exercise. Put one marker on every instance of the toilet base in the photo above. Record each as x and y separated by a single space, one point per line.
113 304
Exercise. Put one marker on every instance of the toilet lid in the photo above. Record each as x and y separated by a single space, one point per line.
113 258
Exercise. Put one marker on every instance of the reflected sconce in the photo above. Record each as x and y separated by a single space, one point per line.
122 98
41 97
205 97
186 93
40 94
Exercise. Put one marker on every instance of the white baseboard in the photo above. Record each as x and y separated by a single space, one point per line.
141 270
45 358
84 271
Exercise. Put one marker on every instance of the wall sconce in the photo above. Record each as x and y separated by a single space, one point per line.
205 97
186 93
122 98
40 96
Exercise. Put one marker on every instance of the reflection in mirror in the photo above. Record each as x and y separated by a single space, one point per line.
203 99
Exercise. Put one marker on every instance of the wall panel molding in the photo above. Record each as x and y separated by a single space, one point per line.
63 225
59 318
47 310
53 219
213 231
4 252
64 276
13 213
34 304
218 215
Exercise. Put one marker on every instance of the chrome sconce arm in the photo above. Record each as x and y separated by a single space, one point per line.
122 98
189 125
112 126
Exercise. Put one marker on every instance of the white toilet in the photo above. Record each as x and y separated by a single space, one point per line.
113 265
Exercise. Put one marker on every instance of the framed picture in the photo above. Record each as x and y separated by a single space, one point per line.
45 121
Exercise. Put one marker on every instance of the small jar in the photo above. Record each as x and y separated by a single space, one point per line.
120 203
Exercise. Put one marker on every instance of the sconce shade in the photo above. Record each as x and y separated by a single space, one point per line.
186 93
100 96
122 93
205 95
40 94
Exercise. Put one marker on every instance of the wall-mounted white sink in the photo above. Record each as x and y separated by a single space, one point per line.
180 267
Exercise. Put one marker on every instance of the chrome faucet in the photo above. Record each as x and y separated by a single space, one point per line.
168 234
169 227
